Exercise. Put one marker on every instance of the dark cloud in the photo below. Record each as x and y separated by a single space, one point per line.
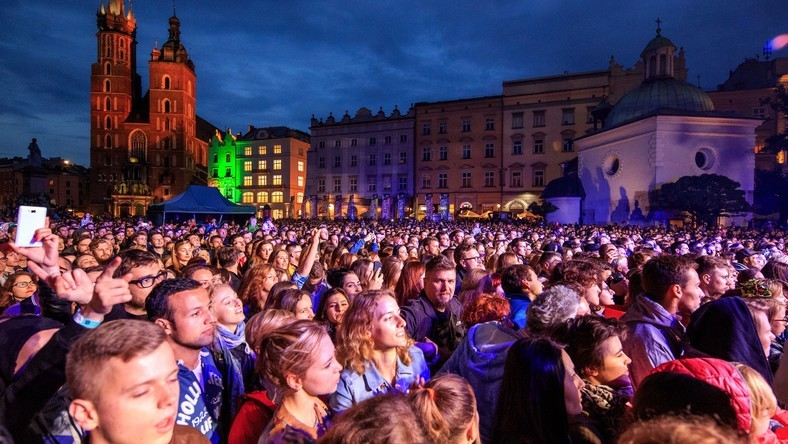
277 63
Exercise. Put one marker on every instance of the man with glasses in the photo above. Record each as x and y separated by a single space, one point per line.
467 258
144 270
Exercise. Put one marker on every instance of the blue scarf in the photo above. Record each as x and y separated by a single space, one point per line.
233 340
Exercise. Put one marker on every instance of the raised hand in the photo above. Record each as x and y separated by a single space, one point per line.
45 256
108 292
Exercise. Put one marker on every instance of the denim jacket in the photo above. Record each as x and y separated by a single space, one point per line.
354 388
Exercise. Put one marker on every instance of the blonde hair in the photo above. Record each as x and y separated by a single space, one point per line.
678 430
445 407
354 341
289 349
762 399
259 326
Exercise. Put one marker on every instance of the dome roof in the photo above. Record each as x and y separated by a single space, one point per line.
658 93
657 42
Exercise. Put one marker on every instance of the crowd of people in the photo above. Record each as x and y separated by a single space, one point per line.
391 331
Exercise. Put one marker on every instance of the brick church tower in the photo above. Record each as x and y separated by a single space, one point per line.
143 148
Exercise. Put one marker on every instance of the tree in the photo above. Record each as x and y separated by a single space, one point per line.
542 209
705 197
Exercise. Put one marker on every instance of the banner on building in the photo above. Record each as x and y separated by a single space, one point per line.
373 207
386 213
338 207
401 206
351 207
428 204
443 207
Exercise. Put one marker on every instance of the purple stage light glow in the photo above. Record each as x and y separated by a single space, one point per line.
778 43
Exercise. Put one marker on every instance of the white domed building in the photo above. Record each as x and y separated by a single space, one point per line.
664 129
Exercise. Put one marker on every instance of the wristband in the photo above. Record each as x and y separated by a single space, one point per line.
85 322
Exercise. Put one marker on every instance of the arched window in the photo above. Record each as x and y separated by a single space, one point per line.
108 123
108 141
663 64
108 69
138 145
247 197
166 124
227 158
652 66
262 197
165 82
166 106
107 104
107 86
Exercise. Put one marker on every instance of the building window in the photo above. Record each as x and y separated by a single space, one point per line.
372 141
247 151
353 160
215 158
262 151
262 164
228 157
426 154
387 140
353 187
166 82
442 127
321 185
403 138
466 126
353 142
373 160
466 180
489 150
277 164
321 162
466 151
516 179
262 197
443 179
108 123
566 146
538 145
107 86
443 153
166 106
300 166
538 178
277 179
228 172
277 197
247 181
426 129
568 116
337 184
517 147
759 112
321 144
426 182
372 184
277 149
215 172
248 165
107 104
589 115
247 197
262 180
489 179
337 143
403 183
403 158
300 181
489 124
517 120
386 158
386 183
337 161
539 119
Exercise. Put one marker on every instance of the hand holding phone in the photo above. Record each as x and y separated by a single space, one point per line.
29 219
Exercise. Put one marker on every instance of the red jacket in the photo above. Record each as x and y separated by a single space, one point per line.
253 415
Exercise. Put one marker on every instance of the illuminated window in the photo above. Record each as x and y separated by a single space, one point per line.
247 197
277 149
263 150
277 197
262 164
300 181
277 164
262 197
262 180
247 181
247 151
248 165
300 166
299 198
277 179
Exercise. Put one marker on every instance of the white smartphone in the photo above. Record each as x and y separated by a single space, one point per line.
28 221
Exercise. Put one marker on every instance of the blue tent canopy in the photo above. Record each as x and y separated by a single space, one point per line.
196 200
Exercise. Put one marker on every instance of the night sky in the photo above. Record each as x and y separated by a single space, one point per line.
278 62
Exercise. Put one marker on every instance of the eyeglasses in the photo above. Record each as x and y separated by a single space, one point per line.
149 281
3 259
472 258
25 284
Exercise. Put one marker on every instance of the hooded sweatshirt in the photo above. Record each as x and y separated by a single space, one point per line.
480 360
